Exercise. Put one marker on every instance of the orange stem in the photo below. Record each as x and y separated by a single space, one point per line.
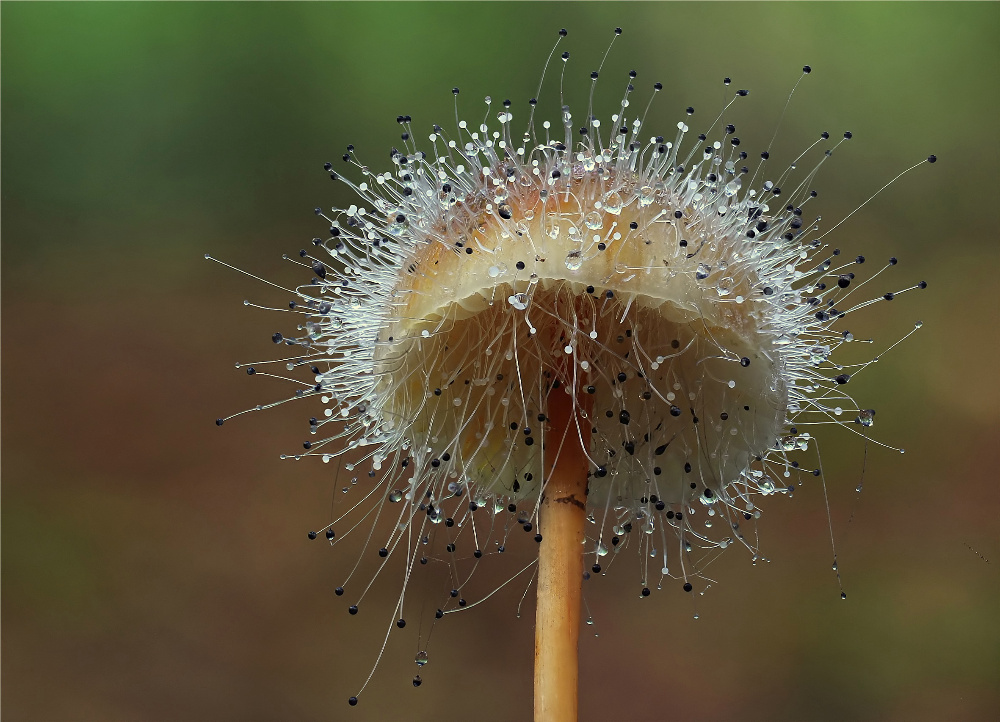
560 564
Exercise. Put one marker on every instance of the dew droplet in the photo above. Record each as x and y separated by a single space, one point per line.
818 354
613 203
518 301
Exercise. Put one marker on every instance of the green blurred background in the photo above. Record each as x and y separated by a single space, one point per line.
155 567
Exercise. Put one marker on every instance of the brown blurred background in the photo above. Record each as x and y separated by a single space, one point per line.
156 567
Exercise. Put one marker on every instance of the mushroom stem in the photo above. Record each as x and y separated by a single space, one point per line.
560 563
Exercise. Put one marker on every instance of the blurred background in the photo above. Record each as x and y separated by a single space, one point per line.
156 567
